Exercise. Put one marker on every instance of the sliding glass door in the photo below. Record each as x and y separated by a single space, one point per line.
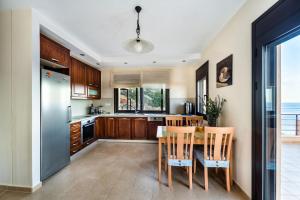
277 25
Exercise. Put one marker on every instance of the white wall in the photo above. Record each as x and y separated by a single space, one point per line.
235 38
19 146
5 100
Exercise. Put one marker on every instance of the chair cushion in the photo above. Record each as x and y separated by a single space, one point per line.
199 155
180 163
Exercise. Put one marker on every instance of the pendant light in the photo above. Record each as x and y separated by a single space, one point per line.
138 45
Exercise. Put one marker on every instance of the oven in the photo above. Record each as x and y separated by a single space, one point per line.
88 129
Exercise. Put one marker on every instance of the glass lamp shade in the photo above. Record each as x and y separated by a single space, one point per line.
138 46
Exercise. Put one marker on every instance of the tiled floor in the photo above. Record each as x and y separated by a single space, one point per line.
290 172
122 171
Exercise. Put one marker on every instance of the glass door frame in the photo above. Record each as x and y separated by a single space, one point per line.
279 22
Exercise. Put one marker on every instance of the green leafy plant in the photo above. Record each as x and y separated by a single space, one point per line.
214 109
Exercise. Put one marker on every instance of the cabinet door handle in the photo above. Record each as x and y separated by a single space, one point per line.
54 60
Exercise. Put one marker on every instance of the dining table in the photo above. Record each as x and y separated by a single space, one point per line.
198 140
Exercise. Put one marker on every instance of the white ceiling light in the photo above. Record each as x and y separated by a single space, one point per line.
138 45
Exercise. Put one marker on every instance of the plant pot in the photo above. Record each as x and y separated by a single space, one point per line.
212 121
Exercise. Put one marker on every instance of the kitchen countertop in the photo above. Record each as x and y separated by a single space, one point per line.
79 118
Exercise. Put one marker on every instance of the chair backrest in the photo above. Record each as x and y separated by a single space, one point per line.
174 121
180 142
217 143
194 120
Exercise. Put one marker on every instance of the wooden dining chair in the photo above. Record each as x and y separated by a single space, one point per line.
180 142
194 120
174 121
217 151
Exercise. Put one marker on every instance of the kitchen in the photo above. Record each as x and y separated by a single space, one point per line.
88 124
91 92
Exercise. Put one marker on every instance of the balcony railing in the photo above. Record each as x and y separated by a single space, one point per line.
290 124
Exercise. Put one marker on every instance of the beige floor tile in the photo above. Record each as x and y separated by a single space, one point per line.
122 171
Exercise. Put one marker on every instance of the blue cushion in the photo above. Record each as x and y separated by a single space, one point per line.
199 155
180 163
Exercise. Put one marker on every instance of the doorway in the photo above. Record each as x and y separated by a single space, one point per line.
271 33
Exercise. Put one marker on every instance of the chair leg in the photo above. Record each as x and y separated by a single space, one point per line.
191 177
206 178
195 163
217 170
227 180
170 176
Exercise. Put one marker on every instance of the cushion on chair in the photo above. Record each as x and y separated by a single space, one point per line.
199 155
180 163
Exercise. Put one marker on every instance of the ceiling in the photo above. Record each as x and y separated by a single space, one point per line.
179 30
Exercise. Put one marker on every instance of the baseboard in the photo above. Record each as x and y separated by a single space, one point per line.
21 188
128 141
241 191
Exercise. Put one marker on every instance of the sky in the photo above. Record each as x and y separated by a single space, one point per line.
290 70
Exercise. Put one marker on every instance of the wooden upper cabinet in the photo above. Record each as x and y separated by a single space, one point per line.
54 52
93 83
124 128
90 76
78 79
139 128
93 77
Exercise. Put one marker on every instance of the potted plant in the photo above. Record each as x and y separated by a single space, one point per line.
214 109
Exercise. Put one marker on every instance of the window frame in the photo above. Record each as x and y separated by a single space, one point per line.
140 99
201 73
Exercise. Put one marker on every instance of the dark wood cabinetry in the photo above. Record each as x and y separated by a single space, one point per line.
93 77
78 79
139 128
86 81
124 128
110 127
75 138
54 52
152 129
100 127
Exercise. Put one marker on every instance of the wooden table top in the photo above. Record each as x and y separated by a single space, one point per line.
198 138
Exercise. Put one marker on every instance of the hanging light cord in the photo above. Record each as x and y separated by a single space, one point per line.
138 28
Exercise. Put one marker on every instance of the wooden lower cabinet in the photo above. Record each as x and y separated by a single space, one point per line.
124 128
75 138
152 129
100 127
139 128
110 128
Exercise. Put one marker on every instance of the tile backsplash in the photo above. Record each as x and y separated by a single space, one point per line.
107 103
80 107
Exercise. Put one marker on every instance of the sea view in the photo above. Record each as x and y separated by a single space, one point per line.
290 114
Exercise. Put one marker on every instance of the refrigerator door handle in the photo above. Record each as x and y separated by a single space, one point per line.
69 114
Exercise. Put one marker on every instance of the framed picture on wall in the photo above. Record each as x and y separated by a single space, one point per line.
224 72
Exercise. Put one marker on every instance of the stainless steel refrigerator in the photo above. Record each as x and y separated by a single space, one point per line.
55 118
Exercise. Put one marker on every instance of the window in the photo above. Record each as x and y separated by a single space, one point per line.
201 89
151 100
201 92
127 99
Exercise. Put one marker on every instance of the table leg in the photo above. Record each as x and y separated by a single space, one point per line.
159 160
